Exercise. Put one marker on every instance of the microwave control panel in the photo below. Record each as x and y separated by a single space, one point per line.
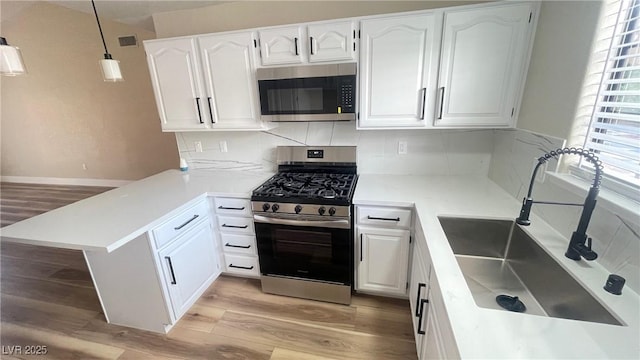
346 94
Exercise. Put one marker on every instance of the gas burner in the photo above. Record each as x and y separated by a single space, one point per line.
327 193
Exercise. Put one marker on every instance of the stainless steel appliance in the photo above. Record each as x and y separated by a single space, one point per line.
308 93
303 223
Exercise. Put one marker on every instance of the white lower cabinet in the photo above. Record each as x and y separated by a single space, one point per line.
434 338
189 266
383 258
237 236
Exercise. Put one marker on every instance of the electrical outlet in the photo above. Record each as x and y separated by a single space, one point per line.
198 145
223 146
84 166
402 147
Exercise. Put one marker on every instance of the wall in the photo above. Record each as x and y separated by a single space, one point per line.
62 115
437 152
559 60
252 14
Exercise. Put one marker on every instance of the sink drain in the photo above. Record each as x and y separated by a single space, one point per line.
511 303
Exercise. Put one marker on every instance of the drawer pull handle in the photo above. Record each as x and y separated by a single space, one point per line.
421 307
382 218
173 275
237 246
241 267
187 222
418 308
230 208
235 226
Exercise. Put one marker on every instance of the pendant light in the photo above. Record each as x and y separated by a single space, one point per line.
110 67
11 63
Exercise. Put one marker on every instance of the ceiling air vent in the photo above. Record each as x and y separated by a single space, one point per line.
128 40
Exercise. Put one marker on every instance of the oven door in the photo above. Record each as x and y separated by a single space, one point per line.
295 249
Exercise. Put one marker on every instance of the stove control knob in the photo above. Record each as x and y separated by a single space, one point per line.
275 207
332 211
321 210
265 206
297 209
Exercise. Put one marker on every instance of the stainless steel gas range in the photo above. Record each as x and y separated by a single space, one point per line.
304 226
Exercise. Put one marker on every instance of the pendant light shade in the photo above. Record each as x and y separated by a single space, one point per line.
110 67
11 63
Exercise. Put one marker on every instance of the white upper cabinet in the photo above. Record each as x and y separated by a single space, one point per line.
398 66
282 45
332 41
229 76
176 80
301 44
483 63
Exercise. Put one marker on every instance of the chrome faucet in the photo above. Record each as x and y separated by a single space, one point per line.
580 243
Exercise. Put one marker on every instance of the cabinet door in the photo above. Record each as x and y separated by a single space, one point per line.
190 265
418 290
383 258
333 41
432 343
282 45
398 65
483 64
176 81
229 73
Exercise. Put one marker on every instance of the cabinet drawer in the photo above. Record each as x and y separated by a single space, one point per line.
240 264
238 225
180 223
383 216
230 206
237 243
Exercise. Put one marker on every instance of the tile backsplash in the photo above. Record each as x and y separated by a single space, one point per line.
434 152
615 239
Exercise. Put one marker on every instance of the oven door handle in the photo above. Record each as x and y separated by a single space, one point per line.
339 224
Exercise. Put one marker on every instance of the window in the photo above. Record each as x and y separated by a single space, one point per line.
614 128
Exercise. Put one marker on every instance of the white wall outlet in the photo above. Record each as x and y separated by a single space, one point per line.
84 166
198 145
402 147
223 146
542 171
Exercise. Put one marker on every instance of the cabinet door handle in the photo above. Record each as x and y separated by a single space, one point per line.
173 275
241 267
186 222
198 106
422 302
424 102
441 102
235 226
311 44
382 218
210 110
230 208
296 43
418 308
237 246
360 247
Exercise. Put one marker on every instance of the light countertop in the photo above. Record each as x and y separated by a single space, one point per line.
488 333
109 220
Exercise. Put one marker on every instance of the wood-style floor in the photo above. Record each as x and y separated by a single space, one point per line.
47 298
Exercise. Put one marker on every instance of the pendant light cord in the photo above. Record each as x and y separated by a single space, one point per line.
107 55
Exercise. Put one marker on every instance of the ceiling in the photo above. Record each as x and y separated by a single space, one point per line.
132 12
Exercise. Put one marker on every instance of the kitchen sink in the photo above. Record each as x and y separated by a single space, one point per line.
498 258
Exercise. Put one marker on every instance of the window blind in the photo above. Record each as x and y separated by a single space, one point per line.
614 129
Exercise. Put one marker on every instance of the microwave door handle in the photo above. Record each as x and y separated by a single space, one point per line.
340 224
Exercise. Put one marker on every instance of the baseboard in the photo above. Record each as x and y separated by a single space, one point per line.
65 181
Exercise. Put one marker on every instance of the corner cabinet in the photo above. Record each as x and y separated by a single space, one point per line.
398 65
382 249
205 82
300 44
483 65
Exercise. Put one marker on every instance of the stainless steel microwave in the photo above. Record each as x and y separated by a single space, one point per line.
308 93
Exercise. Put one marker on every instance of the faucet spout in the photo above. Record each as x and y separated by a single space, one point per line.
580 244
